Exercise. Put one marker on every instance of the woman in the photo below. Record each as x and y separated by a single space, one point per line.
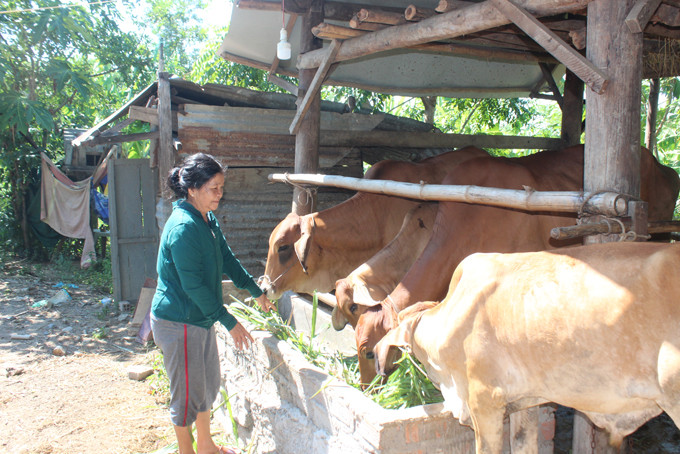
192 257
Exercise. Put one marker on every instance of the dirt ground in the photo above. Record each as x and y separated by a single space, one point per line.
83 401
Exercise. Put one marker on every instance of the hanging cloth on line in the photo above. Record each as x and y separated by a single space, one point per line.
65 206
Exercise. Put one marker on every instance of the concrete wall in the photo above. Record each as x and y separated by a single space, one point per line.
284 404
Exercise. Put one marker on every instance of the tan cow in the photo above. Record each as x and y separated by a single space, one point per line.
594 328
462 229
308 253
373 280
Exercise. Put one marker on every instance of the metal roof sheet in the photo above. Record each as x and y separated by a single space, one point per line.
253 35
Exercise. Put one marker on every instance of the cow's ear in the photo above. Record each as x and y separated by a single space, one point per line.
305 242
338 318
362 296
386 350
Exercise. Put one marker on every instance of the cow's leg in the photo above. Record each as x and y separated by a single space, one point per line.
524 431
487 420
669 379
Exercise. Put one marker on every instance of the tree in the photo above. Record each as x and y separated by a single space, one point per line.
59 64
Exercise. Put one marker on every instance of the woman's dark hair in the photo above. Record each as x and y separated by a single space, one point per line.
196 170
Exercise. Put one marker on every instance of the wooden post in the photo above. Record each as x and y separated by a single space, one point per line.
307 136
612 148
165 152
652 112
572 110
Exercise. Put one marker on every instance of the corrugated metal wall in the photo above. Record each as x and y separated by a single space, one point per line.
246 140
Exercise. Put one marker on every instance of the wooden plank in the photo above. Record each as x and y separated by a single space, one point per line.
471 19
114 207
149 115
315 86
607 203
149 185
667 15
590 74
640 14
166 152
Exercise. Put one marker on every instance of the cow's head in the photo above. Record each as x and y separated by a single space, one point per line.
372 325
353 299
289 256
386 351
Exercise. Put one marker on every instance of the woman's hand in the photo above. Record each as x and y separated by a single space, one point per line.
241 336
264 303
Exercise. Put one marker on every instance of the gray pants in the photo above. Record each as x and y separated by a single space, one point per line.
193 367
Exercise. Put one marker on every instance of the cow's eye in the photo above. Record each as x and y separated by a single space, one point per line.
285 253
353 308
369 355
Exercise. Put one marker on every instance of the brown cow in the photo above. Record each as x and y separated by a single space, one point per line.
462 229
308 253
594 328
373 280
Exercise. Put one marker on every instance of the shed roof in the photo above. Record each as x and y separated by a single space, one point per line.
500 61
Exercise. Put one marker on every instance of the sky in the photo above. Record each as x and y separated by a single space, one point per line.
218 13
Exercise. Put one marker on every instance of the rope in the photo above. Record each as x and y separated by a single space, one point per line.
630 235
582 208
308 192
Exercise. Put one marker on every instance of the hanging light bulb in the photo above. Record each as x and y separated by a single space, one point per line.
283 48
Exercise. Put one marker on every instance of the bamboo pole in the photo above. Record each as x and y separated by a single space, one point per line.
380 17
606 203
413 13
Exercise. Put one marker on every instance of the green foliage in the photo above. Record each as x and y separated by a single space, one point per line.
406 387
61 65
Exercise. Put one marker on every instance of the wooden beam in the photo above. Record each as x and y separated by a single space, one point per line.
445 6
379 16
115 129
591 75
413 13
606 203
315 85
377 138
125 138
547 75
572 110
471 19
326 30
607 227
640 14
283 83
